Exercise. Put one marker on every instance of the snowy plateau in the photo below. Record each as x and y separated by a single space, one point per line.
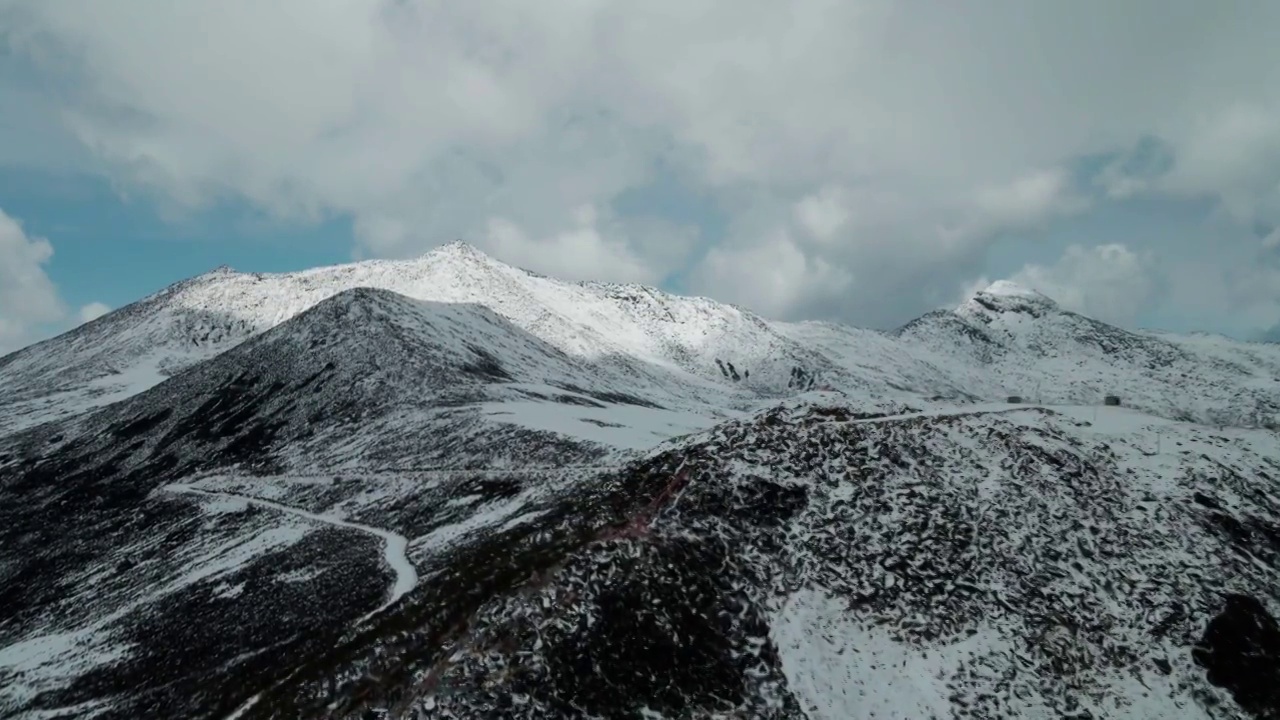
449 488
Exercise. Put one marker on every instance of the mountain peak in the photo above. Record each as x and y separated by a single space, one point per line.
1004 296
459 248
1009 288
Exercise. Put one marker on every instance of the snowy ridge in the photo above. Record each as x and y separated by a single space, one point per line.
366 384
1016 342
1005 340
367 378
449 487
645 333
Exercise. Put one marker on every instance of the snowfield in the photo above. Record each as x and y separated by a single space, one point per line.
450 488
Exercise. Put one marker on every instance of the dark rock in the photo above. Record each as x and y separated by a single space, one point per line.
1240 651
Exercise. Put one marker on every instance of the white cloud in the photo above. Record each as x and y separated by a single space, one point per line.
1253 294
880 137
583 252
1107 282
1026 201
1272 239
823 213
28 298
868 251
1228 153
31 307
1136 170
1234 156
772 277
92 311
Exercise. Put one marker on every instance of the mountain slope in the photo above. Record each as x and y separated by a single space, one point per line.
821 559
452 487
968 565
1007 340
332 385
876 364
104 546
707 348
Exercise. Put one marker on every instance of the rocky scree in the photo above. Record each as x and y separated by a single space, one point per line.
934 530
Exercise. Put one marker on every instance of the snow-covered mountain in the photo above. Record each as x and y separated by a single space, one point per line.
1003 341
450 487
1007 340
367 378
818 562
703 347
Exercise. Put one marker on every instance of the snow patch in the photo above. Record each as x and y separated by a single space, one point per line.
840 668
630 427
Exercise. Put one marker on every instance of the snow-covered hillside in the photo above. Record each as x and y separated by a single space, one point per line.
820 561
449 487
1004 341
370 379
1008 340
694 345
813 562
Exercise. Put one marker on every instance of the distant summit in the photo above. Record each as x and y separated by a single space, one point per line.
994 344
458 246
1009 288
1004 296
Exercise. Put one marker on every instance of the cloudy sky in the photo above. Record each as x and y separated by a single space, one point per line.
857 160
